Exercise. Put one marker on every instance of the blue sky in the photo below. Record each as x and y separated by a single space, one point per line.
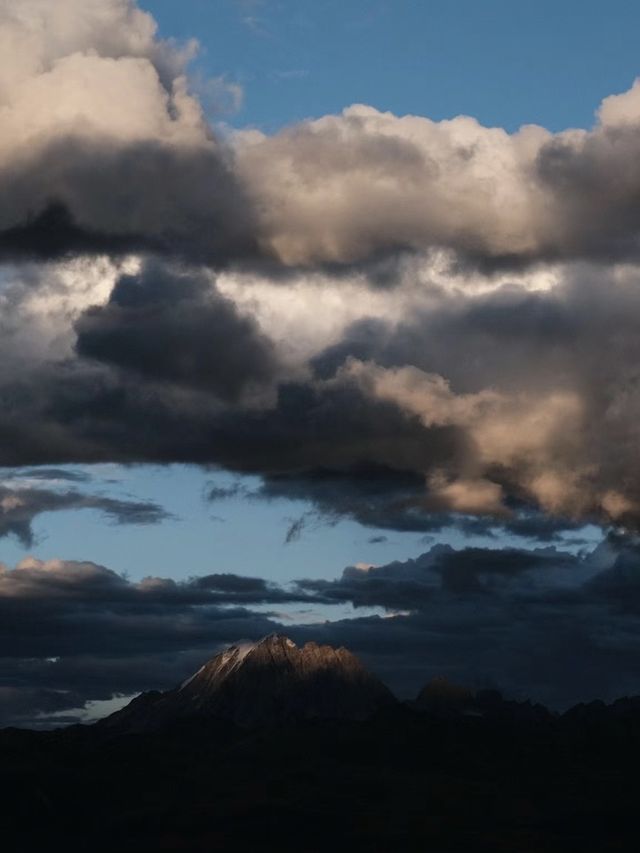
505 63
236 534
233 535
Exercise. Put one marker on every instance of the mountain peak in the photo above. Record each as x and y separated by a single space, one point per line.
265 682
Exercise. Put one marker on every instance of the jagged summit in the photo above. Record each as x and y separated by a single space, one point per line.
266 682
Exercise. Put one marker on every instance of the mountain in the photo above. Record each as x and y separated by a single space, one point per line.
441 698
269 682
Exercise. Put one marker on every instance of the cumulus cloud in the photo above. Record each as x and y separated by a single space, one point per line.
103 147
346 188
503 403
175 327
537 386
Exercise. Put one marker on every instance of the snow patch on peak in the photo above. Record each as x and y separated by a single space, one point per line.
277 638
234 655
242 649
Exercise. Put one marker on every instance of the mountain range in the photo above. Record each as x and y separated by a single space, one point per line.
275 682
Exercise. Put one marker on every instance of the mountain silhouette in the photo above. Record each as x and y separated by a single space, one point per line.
272 681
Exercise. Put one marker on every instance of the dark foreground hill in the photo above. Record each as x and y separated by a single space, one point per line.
463 772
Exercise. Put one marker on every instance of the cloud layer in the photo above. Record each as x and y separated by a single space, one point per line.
87 168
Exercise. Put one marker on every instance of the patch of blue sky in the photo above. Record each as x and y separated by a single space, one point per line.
505 63
236 534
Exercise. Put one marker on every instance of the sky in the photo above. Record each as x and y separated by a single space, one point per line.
506 64
318 317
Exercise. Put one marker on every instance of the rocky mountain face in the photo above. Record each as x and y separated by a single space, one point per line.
269 682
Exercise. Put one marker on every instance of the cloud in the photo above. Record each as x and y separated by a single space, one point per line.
49 474
505 404
413 324
104 149
347 188
540 624
36 580
88 170
176 328
21 505
414 584
538 388
71 632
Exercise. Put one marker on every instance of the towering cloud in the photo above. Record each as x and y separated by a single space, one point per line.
103 148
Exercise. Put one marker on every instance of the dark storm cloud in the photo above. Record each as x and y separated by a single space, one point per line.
398 426
412 584
176 328
557 426
19 507
393 499
89 412
71 631
541 624
91 198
